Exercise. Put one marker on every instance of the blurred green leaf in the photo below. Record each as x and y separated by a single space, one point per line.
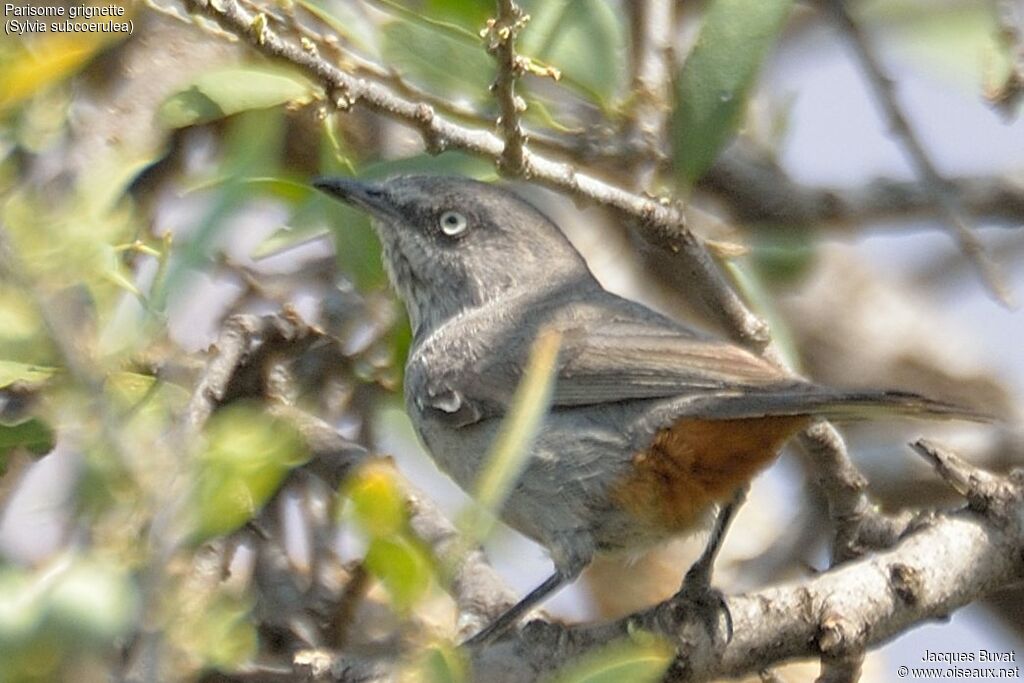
247 455
439 664
33 434
585 39
402 566
21 334
75 604
711 92
431 22
782 256
355 245
223 92
347 22
286 238
290 191
92 602
11 372
447 65
53 58
958 42
69 244
378 505
224 635
21 610
470 13
511 449
757 287
637 661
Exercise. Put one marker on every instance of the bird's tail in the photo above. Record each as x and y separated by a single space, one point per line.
835 404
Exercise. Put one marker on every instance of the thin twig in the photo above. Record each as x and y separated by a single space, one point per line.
501 33
938 187
653 22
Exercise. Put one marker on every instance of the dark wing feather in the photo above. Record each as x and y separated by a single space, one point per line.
612 349
621 361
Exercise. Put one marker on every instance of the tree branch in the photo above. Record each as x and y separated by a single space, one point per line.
501 33
1007 97
662 222
801 609
938 187
759 191
949 562
653 22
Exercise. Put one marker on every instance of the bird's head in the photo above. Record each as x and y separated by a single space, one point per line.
452 243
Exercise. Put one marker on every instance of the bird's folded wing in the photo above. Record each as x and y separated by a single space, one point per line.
611 350
623 361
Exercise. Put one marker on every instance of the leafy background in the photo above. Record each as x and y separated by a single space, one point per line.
155 184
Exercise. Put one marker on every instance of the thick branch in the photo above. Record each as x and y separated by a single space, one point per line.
945 565
952 561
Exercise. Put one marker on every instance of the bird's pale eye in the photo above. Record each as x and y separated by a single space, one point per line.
453 223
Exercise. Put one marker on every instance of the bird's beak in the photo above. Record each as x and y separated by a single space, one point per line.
371 197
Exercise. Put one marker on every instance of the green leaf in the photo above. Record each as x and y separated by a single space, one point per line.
223 92
347 21
585 39
22 334
711 92
511 449
26 373
287 237
956 42
640 660
32 434
378 505
226 635
402 566
437 60
247 455
290 191
52 58
21 610
450 163
473 13
439 663
92 602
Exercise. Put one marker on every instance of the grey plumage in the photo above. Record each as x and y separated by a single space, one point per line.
477 299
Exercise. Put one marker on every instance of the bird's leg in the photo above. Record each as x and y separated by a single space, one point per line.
696 589
510 617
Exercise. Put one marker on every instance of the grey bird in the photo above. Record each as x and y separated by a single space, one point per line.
653 425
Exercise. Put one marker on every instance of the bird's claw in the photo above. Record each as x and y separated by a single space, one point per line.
706 603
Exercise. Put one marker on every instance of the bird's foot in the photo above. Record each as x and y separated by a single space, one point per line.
706 603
